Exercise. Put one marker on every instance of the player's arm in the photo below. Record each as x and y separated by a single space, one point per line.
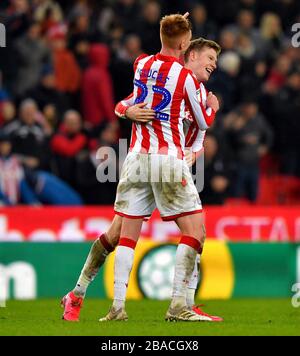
126 109
194 143
123 105
203 116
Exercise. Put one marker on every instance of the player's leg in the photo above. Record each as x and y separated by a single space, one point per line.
100 249
189 246
192 287
130 233
134 201
193 284
195 278
177 200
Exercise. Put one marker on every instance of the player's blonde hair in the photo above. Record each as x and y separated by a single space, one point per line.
200 43
172 28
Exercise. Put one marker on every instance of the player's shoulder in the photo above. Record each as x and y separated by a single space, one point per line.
192 78
186 71
141 57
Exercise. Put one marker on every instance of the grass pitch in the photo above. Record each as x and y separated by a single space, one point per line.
146 318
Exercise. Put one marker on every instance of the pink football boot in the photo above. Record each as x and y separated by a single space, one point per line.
72 306
196 309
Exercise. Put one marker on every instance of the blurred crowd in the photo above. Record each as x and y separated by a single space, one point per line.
67 63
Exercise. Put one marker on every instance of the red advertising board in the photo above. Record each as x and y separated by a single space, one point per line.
274 224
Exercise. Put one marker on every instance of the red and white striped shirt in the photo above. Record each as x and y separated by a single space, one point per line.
11 174
194 137
169 89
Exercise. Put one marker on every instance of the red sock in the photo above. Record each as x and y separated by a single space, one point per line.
108 247
192 242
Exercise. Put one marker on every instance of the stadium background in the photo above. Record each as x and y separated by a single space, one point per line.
78 55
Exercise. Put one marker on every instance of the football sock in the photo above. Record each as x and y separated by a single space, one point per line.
193 283
123 265
184 264
96 257
190 297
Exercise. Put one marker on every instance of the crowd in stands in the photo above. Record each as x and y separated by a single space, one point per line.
67 63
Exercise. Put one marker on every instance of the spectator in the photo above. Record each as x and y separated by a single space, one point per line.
122 14
48 13
245 24
286 112
13 186
51 102
228 40
216 172
66 69
32 54
7 113
246 48
51 190
80 38
278 74
225 80
28 136
106 191
131 50
122 66
149 27
223 12
251 138
67 144
125 13
272 37
18 18
202 27
116 37
97 89
252 79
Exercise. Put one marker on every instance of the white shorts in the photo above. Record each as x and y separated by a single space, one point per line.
151 180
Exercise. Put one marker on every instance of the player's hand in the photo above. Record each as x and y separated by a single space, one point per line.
190 157
138 113
186 15
212 102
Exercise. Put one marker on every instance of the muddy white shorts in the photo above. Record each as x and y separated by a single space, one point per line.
151 180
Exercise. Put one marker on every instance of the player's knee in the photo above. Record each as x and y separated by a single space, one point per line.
197 234
113 238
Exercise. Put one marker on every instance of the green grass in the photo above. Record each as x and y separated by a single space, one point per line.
242 317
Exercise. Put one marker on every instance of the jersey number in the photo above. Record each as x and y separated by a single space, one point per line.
165 101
